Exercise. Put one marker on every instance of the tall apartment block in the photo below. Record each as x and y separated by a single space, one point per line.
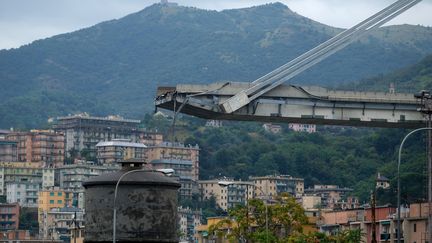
83 132
39 145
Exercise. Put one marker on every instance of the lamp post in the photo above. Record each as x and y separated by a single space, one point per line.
164 171
227 183
398 181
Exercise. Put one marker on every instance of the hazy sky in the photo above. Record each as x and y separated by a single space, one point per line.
23 21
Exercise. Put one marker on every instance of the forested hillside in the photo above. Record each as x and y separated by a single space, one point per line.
410 79
344 156
114 67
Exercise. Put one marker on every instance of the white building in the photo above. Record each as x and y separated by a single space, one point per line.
24 193
310 128
188 221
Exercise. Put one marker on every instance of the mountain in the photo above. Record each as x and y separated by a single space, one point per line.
412 79
115 66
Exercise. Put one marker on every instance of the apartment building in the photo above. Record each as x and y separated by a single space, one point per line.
39 145
24 193
83 132
188 221
168 151
71 177
296 127
116 150
9 216
8 151
332 196
272 185
11 172
227 194
57 223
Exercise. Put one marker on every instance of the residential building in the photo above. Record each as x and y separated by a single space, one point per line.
167 151
214 123
9 216
311 202
25 193
272 185
188 221
11 172
233 193
310 128
273 128
111 152
331 195
382 181
57 223
4 133
83 132
8 151
335 221
39 145
71 177
202 232
47 200
149 138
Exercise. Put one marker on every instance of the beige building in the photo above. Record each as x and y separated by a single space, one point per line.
39 145
167 151
228 195
272 185
311 202
111 152
332 196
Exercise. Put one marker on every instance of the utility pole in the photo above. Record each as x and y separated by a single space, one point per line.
373 205
425 98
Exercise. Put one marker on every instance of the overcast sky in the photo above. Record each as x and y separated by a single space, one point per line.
23 21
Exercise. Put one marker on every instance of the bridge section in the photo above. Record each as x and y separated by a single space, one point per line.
295 104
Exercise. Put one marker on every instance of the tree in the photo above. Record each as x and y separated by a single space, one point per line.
249 223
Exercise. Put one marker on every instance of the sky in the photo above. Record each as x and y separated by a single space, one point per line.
23 21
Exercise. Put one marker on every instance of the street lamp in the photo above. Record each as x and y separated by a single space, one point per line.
228 183
163 171
398 180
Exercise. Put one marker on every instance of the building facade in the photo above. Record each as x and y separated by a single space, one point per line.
57 223
8 151
116 150
25 172
227 194
309 128
39 145
332 196
24 193
188 222
9 216
82 132
272 185
71 177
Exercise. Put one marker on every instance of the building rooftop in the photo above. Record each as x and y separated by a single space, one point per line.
120 143
107 118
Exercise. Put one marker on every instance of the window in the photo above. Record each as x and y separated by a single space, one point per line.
51 201
59 193
52 194
415 227
59 201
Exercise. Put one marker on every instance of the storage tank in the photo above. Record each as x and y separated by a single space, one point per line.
146 206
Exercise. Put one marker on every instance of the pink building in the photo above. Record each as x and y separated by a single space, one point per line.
9 216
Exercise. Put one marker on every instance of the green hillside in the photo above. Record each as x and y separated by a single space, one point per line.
115 66
410 79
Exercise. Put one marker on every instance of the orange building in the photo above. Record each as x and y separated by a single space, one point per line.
39 145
